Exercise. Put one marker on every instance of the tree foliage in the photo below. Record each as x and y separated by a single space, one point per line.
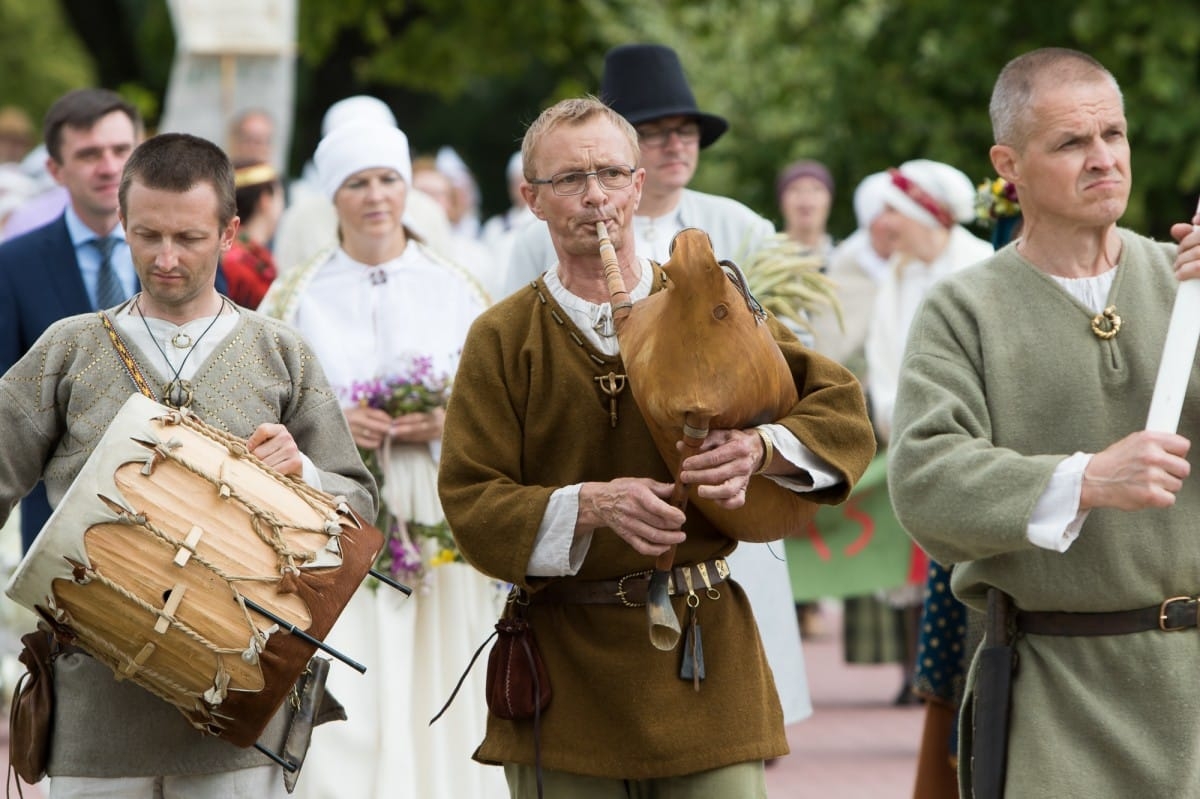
867 84
40 57
466 73
445 46
859 84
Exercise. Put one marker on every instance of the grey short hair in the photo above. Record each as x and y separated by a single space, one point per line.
1012 96
574 111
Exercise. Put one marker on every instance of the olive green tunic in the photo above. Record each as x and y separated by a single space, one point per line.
526 417
1002 380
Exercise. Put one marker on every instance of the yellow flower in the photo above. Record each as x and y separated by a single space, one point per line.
995 199
443 557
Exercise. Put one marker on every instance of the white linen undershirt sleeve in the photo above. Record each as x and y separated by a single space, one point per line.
818 474
1056 518
557 551
311 475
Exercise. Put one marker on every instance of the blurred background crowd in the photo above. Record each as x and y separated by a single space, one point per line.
858 85
822 98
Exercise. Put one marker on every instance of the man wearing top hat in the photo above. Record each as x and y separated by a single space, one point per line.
646 85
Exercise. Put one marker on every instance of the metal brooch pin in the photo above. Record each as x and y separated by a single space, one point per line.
1106 324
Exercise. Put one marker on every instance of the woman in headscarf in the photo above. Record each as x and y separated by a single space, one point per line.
925 206
804 193
387 317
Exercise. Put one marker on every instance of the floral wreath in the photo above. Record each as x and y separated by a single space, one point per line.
996 199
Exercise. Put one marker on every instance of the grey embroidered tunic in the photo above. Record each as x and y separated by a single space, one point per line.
55 404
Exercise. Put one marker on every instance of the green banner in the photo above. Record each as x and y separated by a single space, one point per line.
854 548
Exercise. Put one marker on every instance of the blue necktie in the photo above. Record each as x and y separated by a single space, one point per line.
109 291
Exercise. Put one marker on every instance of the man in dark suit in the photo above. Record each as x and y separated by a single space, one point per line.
55 270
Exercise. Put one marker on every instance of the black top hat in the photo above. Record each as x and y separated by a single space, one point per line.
644 82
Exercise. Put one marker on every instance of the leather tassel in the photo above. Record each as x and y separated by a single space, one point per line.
692 667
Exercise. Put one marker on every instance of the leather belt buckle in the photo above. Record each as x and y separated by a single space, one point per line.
1164 612
621 595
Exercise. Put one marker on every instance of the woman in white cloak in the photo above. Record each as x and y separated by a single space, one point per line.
382 306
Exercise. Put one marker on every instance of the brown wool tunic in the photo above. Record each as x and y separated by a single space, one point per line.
526 417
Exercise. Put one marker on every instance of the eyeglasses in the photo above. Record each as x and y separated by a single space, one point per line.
566 184
688 133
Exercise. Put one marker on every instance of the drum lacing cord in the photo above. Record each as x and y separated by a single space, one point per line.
160 685
258 640
270 533
176 544
170 618
317 500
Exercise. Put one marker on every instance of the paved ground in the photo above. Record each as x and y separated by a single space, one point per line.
856 745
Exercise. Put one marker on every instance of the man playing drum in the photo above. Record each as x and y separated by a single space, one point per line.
243 373
551 481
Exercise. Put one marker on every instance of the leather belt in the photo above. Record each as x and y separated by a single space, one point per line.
1174 614
630 590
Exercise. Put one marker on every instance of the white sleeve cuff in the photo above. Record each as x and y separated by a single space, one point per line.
310 474
819 474
1056 518
557 551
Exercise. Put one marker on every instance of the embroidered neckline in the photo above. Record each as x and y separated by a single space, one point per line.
178 392
571 329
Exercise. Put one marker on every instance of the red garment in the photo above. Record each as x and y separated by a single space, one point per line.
249 269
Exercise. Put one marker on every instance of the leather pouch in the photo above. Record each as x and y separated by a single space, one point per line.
518 686
32 712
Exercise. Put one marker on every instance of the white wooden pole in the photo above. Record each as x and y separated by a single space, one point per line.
1178 360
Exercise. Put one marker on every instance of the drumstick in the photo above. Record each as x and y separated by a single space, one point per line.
286 765
388 581
296 631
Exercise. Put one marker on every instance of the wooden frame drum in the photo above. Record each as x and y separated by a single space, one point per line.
149 560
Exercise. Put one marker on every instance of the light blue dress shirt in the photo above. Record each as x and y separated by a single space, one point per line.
88 257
